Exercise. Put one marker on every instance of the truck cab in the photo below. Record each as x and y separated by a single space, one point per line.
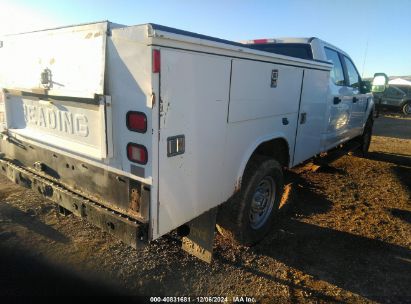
348 97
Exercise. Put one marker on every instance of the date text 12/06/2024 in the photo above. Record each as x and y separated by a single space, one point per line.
236 299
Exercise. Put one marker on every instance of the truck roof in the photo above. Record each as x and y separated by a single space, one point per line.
306 40
166 32
159 27
110 25
192 34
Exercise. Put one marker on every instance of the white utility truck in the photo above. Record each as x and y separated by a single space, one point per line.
145 129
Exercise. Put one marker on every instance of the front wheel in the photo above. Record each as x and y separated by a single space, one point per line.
406 108
250 214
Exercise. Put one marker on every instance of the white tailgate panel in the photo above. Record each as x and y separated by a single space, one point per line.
67 125
194 92
75 57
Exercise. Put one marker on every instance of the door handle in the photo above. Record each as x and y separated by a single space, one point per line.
354 99
303 118
337 100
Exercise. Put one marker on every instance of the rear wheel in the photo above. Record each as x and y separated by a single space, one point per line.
250 214
365 138
406 109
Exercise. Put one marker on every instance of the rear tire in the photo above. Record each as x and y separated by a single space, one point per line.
406 108
250 214
365 138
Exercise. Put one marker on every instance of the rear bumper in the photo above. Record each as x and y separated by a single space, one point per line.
115 191
123 227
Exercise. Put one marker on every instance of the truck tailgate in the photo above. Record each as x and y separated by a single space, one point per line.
53 82
71 58
74 125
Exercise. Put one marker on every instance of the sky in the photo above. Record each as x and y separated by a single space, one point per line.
375 33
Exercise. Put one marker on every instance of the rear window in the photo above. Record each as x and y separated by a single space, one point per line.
298 50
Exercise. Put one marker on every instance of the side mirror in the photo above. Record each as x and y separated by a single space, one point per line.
379 83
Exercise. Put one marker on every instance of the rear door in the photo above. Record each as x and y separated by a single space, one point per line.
193 123
359 101
339 103
312 115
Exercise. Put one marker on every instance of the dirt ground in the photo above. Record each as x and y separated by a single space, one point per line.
345 238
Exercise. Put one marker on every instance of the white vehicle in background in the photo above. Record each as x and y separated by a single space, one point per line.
145 129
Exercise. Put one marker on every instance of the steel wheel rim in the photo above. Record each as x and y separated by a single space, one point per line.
407 109
262 202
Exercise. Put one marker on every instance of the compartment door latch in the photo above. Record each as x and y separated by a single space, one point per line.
175 145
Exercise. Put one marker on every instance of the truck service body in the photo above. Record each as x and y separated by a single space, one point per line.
142 129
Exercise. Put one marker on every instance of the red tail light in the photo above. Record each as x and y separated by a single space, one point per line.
156 61
137 153
136 121
260 41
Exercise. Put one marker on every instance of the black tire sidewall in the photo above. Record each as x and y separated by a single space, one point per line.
364 146
367 133
404 107
266 167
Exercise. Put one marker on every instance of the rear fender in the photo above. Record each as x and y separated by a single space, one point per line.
252 148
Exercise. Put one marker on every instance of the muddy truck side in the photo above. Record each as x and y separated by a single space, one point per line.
145 129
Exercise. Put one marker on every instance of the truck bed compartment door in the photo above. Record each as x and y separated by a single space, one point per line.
193 121
312 115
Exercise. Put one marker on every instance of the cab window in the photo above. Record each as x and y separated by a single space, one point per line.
337 73
353 76
394 92
299 50
389 92
404 89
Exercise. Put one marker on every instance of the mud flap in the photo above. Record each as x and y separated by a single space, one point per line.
199 242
